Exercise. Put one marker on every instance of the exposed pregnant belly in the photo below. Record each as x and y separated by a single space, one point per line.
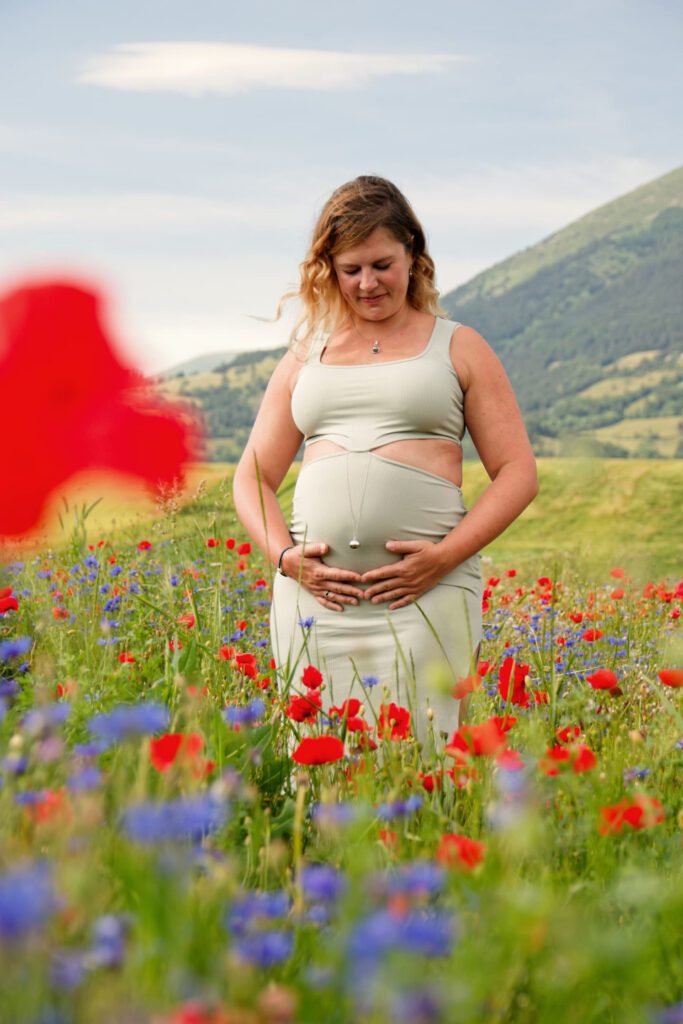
362 493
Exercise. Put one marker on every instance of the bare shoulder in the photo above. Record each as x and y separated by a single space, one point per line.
286 372
472 356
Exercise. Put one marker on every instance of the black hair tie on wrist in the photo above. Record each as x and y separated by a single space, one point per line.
279 561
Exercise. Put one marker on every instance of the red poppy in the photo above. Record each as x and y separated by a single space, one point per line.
7 601
505 676
467 685
52 806
592 634
88 409
617 593
603 679
126 658
318 750
230 543
144 545
483 668
576 617
642 811
617 573
509 759
244 549
578 757
460 852
172 746
671 676
187 620
511 573
568 734
212 542
480 740
394 722
311 677
350 708
300 709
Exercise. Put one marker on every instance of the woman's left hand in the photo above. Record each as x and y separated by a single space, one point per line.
404 582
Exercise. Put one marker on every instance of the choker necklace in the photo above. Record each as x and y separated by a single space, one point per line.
375 345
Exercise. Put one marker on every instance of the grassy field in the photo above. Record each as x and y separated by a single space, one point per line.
189 835
589 515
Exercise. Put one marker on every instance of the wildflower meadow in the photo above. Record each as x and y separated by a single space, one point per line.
192 835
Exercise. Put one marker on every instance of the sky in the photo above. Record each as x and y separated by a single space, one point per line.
176 154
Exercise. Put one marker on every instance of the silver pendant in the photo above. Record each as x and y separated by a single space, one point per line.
375 347
354 542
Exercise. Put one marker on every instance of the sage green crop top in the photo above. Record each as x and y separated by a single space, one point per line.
363 406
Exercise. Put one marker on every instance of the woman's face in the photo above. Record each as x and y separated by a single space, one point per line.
373 276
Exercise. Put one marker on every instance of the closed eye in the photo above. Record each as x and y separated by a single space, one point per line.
354 270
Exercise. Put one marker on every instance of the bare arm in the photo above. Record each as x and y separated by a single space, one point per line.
495 424
270 451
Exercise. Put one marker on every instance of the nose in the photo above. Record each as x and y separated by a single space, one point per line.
368 279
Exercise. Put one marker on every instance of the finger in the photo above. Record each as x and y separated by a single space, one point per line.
341 596
342 574
405 546
330 602
383 587
389 595
384 572
314 550
409 599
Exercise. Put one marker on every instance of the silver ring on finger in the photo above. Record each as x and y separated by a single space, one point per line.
328 595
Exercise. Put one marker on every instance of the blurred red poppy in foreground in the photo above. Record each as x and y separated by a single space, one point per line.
74 405
671 676
460 852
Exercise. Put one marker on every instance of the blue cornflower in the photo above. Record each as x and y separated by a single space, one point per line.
87 778
67 970
253 908
399 808
129 720
108 941
15 648
336 814
266 948
40 719
416 878
115 570
9 688
370 681
306 623
185 818
26 900
91 562
245 715
321 882
636 773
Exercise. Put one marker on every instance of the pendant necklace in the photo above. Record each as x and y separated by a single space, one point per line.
354 542
375 345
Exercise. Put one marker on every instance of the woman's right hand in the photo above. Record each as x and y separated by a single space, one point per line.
332 587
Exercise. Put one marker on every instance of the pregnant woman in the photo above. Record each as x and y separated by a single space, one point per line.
378 578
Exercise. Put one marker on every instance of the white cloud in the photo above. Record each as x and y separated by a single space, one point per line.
195 68
130 211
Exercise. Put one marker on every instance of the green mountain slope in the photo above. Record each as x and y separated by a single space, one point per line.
566 315
589 324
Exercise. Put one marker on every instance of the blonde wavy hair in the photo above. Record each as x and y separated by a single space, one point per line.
349 216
